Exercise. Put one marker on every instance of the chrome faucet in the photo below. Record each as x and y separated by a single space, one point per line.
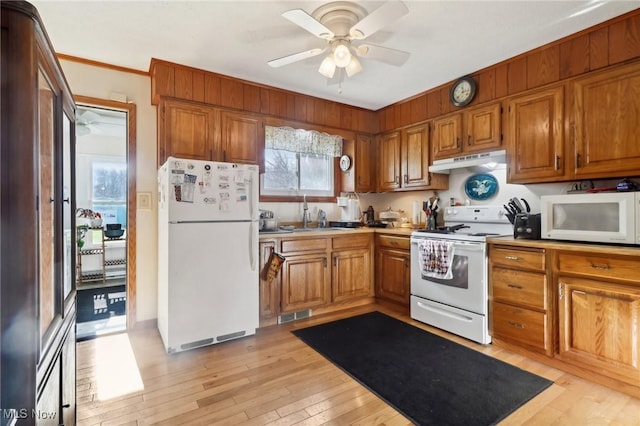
305 208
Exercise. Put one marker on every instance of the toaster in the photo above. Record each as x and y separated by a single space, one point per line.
527 226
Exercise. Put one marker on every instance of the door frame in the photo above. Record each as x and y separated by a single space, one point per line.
130 109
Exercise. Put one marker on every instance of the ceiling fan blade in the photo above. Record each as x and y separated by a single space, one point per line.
378 19
286 60
307 22
382 54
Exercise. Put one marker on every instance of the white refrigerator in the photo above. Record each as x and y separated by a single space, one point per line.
207 252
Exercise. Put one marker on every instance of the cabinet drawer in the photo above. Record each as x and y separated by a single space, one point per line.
600 266
304 245
394 241
533 259
352 241
520 326
519 287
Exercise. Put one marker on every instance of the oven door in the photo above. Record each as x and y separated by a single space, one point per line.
467 289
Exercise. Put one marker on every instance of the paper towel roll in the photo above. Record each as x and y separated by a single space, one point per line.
416 213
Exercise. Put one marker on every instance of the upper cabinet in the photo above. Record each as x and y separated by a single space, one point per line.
535 139
242 138
472 130
201 132
404 161
607 123
359 176
186 130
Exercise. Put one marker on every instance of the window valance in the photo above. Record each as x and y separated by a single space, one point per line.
305 141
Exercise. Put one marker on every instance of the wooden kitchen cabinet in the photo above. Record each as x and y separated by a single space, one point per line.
364 163
598 313
269 291
38 291
404 159
519 301
242 138
393 269
360 176
473 130
535 140
186 130
606 127
306 275
389 161
352 269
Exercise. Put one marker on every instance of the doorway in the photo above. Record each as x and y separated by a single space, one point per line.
105 206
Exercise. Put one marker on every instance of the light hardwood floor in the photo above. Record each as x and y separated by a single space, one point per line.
273 378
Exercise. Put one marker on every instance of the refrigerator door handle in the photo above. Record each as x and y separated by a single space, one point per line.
252 188
253 248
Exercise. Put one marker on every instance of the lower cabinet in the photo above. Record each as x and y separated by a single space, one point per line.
519 301
56 402
579 305
318 272
599 314
393 269
305 282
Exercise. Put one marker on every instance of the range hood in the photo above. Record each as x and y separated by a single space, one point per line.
471 160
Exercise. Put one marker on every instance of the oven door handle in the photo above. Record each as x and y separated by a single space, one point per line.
469 246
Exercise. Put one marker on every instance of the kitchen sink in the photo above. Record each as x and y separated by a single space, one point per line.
322 229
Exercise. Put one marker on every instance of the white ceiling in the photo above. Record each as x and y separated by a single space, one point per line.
446 39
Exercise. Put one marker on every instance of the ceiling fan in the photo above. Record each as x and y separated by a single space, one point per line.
343 24
86 122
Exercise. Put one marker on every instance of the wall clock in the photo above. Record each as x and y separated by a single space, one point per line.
463 91
345 163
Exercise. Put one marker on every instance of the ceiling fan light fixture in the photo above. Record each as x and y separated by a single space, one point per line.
354 67
342 55
327 67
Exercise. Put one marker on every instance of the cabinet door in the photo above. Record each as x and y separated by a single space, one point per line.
483 127
269 290
536 136
365 148
186 131
607 130
389 161
305 282
415 157
351 276
598 326
69 378
48 405
242 138
447 132
393 275
49 292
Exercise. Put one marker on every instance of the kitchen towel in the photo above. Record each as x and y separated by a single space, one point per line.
435 258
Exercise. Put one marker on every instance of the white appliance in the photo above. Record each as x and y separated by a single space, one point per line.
207 252
606 217
458 303
349 207
482 158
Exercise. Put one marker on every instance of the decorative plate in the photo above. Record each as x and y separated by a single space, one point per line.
345 163
481 186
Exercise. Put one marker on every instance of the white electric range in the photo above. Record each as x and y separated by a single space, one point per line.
459 302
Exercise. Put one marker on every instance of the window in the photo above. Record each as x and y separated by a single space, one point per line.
299 162
109 191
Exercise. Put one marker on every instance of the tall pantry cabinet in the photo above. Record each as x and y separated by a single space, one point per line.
37 205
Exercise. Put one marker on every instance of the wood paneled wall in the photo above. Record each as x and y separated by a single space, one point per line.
182 82
609 43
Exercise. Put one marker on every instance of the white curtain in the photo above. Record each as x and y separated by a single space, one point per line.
305 141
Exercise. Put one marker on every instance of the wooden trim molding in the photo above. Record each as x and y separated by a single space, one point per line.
101 64
131 195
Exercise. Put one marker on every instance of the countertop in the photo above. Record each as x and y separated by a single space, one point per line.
566 245
334 232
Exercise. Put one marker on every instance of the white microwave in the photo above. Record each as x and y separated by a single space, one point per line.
612 217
